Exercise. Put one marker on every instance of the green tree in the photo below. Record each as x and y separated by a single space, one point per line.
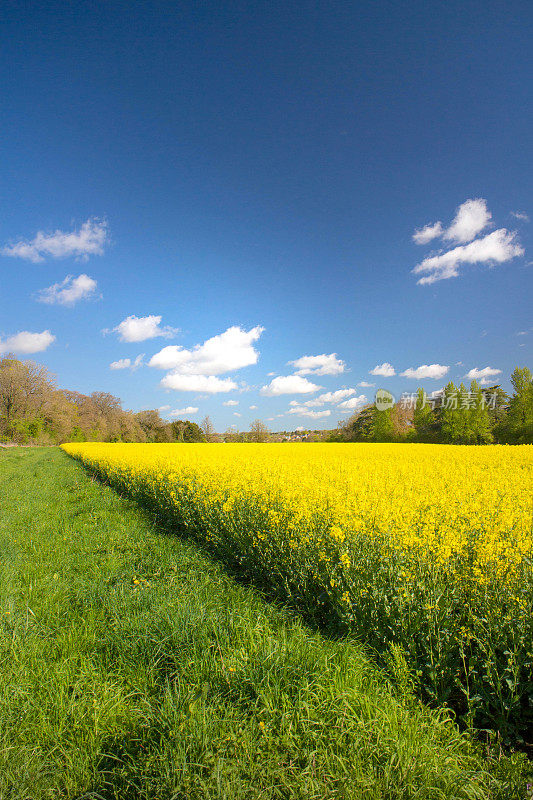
479 422
186 431
382 425
451 414
424 424
520 413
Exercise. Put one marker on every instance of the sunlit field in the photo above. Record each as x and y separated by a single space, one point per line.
134 667
420 551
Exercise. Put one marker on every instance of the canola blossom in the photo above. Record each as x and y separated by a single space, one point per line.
428 547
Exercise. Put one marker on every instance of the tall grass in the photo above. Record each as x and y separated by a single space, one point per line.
133 667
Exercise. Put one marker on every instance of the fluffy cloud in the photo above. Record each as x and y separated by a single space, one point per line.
335 397
197 383
319 365
327 397
365 384
252 408
471 218
302 411
138 329
87 241
353 402
435 371
225 352
27 342
230 403
495 248
428 232
68 291
178 412
482 374
386 370
519 215
236 414
127 363
289 384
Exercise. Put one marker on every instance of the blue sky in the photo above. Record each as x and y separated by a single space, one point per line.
262 168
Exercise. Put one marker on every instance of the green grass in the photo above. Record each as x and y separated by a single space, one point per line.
132 666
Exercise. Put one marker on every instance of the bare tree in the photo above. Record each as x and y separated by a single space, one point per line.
259 431
207 428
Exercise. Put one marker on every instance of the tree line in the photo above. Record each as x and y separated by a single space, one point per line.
33 410
480 415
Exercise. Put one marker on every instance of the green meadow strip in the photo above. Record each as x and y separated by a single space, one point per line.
132 666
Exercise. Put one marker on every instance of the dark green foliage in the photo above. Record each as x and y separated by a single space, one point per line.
185 431
479 416
517 427
368 425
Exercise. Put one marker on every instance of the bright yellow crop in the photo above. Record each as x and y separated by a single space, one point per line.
426 546
432 498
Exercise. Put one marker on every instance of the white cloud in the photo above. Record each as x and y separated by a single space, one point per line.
386 370
302 411
252 408
520 216
69 291
495 248
335 397
471 218
87 241
177 412
236 414
225 352
127 363
164 408
230 403
366 384
327 397
122 363
289 384
300 428
435 371
428 232
27 342
482 374
197 383
353 402
319 365
138 329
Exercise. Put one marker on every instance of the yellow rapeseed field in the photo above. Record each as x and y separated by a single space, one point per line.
426 546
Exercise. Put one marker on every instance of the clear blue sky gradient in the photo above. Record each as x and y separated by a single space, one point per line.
267 164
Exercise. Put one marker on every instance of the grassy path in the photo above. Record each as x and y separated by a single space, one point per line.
132 666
